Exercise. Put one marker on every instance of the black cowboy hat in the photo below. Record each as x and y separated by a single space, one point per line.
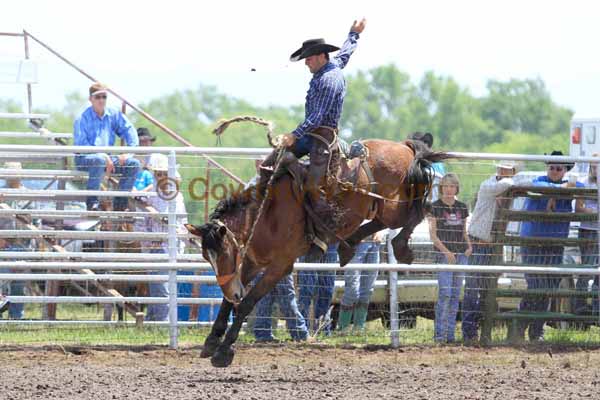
312 47
568 165
144 132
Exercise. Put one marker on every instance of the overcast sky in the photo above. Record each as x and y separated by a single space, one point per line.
145 49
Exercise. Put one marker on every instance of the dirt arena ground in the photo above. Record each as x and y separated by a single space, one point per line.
301 372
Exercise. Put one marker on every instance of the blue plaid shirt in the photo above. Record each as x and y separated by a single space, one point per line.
325 96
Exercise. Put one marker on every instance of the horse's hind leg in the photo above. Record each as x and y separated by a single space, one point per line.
402 251
347 252
224 355
218 330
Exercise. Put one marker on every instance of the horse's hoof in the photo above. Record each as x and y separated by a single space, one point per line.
345 254
210 346
222 358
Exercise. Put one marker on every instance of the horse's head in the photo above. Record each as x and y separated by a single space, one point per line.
222 251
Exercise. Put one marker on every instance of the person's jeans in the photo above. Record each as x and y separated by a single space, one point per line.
589 258
543 255
358 285
95 166
446 307
284 295
158 312
476 285
302 146
14 288
320 286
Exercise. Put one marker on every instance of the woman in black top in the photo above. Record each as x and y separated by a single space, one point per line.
448 231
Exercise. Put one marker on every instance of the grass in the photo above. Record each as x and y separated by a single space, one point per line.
375 333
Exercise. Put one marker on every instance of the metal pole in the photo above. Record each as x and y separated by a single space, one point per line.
29 99
173 331
393 285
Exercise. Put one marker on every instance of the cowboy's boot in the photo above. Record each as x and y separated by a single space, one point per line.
320 158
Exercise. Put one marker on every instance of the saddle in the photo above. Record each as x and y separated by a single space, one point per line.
343 175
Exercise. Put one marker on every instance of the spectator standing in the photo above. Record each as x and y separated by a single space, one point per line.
544 254
480 233
317 287
358 285
448 230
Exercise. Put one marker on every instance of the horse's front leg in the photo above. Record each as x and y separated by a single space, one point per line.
224 355
218 330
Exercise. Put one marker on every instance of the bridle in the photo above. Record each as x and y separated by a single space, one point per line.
225 279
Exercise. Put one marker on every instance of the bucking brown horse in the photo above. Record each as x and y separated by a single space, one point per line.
396 199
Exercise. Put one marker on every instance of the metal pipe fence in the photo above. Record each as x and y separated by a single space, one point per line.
111 262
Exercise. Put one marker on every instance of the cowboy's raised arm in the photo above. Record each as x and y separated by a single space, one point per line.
342 57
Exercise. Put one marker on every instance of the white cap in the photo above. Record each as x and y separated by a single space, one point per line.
509 165
158 162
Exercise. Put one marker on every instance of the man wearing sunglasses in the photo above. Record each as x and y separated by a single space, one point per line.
544 254
99 125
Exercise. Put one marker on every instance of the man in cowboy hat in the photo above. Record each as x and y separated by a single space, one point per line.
545 254
316 135
99 125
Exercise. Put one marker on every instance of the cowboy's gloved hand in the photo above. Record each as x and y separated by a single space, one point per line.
285 140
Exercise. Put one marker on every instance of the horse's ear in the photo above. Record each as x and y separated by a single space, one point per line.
194 229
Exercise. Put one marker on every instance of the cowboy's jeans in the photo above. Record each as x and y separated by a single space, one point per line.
446 307
285 296
95 166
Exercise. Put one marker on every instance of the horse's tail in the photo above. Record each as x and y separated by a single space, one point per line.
420 172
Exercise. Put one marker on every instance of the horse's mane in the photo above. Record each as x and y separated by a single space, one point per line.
236 202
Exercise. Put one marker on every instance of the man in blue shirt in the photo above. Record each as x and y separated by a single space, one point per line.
545 254
317 135
99 125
